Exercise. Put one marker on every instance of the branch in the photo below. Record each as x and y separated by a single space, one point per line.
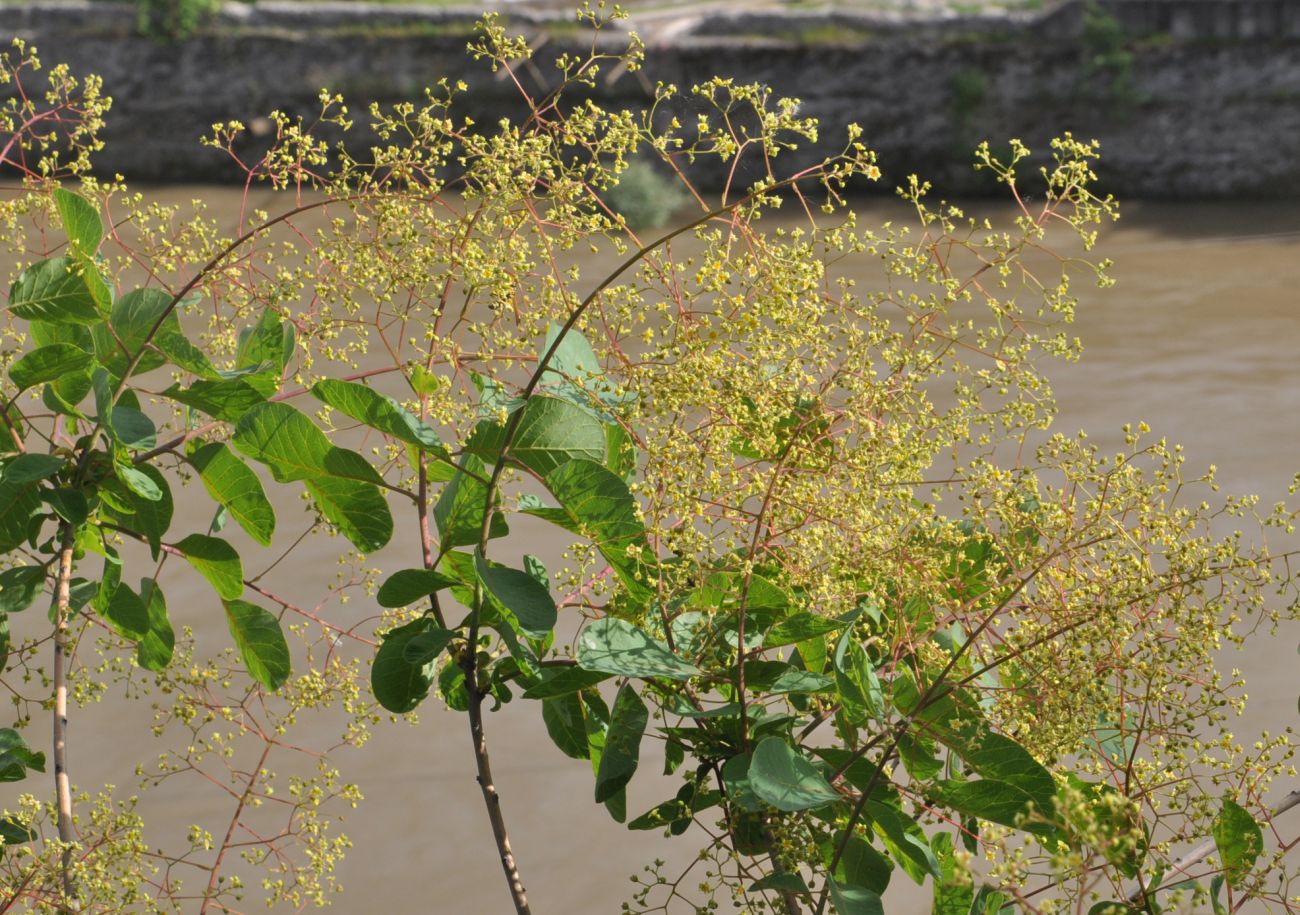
1206 848
62 785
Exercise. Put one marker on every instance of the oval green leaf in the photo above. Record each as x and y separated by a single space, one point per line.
81 222
49 363
615 646
54 290
260 641
378 412
1239 840
622 751
217 561
398 684
233 485
154 649
518 592
406 586
787 780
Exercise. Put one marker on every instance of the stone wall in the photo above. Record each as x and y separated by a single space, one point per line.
1198 98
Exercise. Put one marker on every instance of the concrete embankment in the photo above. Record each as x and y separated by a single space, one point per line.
1190 98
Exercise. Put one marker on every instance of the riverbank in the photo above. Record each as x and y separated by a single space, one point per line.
1190 98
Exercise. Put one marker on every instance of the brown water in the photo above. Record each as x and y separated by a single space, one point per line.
1199 339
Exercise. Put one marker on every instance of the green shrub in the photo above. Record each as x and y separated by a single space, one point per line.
820 541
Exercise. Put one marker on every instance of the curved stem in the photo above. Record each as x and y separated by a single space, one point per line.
62 784
518 895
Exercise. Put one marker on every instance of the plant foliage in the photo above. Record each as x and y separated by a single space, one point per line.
822 546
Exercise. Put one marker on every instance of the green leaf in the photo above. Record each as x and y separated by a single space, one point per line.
620 452
68 504
344 486
112 577
988 901
597 723
81 221
860 692
518 592
170 340
781 677
855 900
784 882
553 432
561 681
917 752
398 684
596 504
904 839
49 363
786 780
269 343
228 399
954 893
293 448
151 503
987 799
127 614
234 486
19 587
18 502
573 362
13 832
64 395
458 512
125 425
1216 887
426 646
27 468
1239 840
575 373
132 429
357 509
617 647
260 642
154 650
16 757
135 318
995 756
861 864
407 586
451 684
1112 907
799 627
565 722
622 752
423 381
378 412
677 814
53 290
218 562
12 428
138 481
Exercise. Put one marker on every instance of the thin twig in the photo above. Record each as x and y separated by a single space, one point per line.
1206 848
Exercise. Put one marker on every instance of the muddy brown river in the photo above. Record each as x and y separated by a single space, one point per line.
1199 338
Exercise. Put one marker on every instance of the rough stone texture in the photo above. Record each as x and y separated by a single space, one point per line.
1213 108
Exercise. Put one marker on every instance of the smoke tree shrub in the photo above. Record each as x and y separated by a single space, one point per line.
824 546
